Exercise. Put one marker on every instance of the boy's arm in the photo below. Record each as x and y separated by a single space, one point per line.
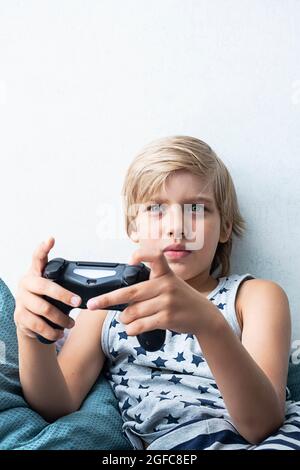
43 383
251 374
266 332
55 385
81 358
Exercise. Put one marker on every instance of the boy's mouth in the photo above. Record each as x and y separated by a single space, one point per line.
176 251
175 247
176 254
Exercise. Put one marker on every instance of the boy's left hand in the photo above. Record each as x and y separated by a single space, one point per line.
163 302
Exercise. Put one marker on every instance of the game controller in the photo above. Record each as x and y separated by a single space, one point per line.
90 279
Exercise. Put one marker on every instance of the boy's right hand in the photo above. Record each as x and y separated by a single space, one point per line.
30 305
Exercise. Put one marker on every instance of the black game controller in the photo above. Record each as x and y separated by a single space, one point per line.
90 279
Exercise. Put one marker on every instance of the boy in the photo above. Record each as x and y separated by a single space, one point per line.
223 368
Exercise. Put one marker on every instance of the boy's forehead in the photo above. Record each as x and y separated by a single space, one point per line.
200 189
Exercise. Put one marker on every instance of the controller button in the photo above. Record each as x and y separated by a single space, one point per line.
54 268
130 274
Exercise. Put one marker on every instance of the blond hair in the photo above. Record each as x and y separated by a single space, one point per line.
150 168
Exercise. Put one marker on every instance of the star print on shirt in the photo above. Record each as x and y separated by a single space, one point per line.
188 354
208 403
155 373
123 335
188 403
174 333
138 418
221 306
144 388
174 379
202 389
179 357
131 358
171 419
213 385
197 360
124 382
114 323
140 350
189 335
223 290
126 405
159 362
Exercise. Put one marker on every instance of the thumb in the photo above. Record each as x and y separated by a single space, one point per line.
157 260
40 256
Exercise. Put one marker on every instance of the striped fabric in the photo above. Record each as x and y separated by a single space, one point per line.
220 434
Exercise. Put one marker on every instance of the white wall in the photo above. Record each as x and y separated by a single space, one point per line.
83 85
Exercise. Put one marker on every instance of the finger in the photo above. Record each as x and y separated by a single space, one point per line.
142 325
21 328
41 286
37 325
40 256
139 310
159 263
39 306
28 332
136 293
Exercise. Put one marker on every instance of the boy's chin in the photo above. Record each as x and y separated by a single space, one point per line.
180 270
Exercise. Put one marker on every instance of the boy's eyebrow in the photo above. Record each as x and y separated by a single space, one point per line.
198 197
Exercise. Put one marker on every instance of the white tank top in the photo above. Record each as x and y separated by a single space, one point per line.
159 390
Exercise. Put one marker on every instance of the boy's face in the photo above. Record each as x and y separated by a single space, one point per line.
166 220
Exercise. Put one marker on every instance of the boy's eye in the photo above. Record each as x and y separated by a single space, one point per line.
153 208
195 208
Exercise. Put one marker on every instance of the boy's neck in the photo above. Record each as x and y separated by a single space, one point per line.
203 283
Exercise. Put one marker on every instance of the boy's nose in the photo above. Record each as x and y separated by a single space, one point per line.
174 224
175 232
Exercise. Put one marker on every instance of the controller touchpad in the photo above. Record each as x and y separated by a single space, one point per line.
94 273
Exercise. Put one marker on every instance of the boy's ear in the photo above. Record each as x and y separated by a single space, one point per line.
134 236
224 237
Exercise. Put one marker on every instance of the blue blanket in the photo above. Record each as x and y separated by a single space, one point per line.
97 425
